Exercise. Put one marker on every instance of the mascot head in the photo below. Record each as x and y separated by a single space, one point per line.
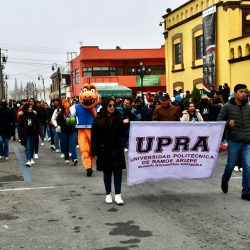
89 97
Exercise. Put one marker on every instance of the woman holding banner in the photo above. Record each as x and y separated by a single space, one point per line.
106 145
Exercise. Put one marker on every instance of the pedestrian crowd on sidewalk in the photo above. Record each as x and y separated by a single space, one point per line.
35 123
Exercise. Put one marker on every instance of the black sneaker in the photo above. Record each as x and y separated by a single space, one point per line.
75 162
89 172
245 196
224 186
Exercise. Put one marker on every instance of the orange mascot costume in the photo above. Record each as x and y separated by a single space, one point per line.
85 113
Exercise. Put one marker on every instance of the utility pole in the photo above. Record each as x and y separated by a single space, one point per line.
2 87
1 77
70 56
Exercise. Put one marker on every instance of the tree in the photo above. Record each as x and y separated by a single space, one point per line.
196 96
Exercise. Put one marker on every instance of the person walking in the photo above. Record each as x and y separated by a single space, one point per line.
29 131
68 132
126 112
191 114
236 113
5 129
166 111
106 146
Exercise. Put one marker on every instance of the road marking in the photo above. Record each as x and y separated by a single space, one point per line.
26 175
22 189
236 177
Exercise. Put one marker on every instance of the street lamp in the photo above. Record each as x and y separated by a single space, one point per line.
141 71
58 77
41 77
5 85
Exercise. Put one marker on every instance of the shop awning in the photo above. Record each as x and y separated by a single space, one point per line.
117 91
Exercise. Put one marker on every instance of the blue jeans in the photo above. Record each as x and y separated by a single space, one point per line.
56 138
238 151
47 130
4 146
42 132
29 147
69 145
107 178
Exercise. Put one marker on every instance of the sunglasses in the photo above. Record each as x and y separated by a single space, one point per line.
111 106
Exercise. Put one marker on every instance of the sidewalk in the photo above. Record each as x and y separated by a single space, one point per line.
9 169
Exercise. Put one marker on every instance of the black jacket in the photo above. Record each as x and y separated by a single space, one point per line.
6 121
241 115
106 142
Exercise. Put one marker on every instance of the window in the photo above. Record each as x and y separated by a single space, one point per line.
177 53
239 51
199 49
120 71
232 53
157 70
247 53
73 77
247 25
99 71
77 76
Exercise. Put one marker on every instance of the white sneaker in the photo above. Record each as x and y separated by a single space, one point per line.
6 158
118 199
62 156
36 156
108 199
125 150
28 164
42 143
67 162
236 169
45 139
58 150
77 146
32 162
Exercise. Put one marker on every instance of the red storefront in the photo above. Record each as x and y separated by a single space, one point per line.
118 66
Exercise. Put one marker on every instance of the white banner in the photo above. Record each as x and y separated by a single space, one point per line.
172 150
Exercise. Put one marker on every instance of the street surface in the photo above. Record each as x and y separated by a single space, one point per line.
54 206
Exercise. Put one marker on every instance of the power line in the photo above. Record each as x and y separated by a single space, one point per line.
35 60
34 49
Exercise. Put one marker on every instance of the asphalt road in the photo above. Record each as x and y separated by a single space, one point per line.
54 206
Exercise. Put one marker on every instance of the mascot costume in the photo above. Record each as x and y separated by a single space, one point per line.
85 113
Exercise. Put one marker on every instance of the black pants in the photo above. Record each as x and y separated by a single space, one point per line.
107 178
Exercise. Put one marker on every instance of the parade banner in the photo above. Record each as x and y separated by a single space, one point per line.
209 35
172 150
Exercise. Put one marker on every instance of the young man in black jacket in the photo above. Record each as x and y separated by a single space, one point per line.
236 113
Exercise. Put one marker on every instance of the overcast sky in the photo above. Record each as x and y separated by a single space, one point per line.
38 33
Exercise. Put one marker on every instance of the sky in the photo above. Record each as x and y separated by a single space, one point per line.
39 33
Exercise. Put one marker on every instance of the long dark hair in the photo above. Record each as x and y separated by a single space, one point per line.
26 107
102 115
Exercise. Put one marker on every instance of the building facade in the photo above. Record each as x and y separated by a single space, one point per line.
184 43
118 66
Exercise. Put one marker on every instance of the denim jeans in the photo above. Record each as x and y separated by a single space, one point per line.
107 178
4 146
29 147
42 132
56 138
238 151
47 130
68 143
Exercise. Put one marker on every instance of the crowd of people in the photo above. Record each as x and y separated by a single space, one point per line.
34 122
